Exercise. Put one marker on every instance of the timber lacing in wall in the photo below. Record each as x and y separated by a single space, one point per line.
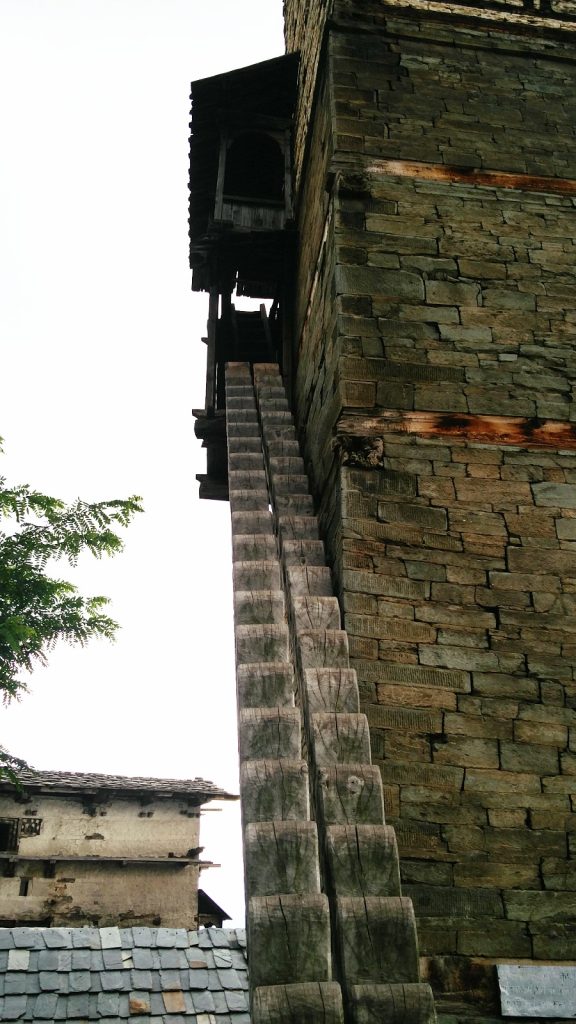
330 938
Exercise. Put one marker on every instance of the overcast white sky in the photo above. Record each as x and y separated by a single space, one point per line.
101 365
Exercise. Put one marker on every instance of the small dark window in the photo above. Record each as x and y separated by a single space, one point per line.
30 826
24 886
8 834
255 168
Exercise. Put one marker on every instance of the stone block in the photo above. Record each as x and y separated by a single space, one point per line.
281 856
442 901
393 1004
363 860
540 906
350 794
340 738
452 293
501 939
555 495
289 939
269 733
263 684
529 757
394 284
274 791
307 1003
377 940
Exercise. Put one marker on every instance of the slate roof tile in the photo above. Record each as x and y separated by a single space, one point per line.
110 938
228 978
14 1007
57 938
198 979
85 938
28 938
142 980
172 958
203 1002
143 959
79 975
18 959
237 1001
48 960
169 979
127 938
44 1006
144 937
59 781
50 981
108 1004
112 959
81 960
14 983
79 981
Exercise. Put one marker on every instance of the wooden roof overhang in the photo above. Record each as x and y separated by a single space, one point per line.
257 98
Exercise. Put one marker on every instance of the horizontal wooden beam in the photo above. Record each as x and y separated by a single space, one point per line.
522 432
473 176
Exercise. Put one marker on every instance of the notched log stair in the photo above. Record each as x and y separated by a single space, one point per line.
331 938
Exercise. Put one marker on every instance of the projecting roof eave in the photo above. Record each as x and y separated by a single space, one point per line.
198 790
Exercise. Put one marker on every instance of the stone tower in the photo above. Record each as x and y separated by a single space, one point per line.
424 328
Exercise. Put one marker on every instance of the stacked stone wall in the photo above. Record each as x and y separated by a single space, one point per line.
450 295
459 591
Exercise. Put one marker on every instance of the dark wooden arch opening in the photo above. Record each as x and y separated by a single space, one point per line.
255 168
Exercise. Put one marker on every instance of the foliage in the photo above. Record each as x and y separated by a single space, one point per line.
36 610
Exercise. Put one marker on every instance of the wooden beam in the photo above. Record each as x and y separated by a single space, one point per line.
522 432
473 176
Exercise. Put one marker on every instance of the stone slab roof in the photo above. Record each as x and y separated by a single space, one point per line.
150 975
70 782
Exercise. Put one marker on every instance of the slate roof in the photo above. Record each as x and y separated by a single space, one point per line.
150 975
67 782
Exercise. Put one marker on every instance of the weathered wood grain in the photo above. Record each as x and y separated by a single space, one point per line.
363 860
350 794
264 684
394 1004
259 607
340 738
261 643
281 857
289 937
376 936
308 1003
274 791
311 612
331 689
268 733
